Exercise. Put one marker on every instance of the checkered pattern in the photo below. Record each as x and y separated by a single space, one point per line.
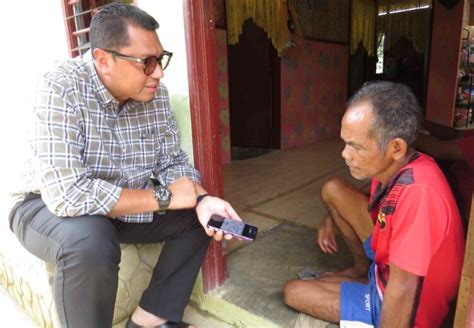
85 148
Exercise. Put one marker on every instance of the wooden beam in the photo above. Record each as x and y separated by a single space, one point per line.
465 304
202 78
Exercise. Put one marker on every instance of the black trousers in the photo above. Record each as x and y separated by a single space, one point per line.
86 253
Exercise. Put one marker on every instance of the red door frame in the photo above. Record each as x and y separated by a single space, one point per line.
200 32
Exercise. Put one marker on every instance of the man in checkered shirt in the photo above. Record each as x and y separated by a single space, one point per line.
106 168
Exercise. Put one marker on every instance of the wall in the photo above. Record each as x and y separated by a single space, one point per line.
443 67
313 75
31 45
323 19
313 92
169 15
223 93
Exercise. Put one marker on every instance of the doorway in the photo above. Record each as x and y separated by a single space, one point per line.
254 93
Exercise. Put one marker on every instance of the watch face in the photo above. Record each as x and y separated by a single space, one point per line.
163 193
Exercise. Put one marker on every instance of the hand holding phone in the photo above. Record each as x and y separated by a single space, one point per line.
236 228
213 205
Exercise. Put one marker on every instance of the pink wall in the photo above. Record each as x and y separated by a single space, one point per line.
223 93
313 92
444 58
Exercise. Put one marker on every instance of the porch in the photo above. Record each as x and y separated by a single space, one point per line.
279 193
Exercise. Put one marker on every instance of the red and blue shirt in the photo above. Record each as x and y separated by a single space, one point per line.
418 228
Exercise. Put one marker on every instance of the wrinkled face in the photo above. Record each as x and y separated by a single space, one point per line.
127 79
362 153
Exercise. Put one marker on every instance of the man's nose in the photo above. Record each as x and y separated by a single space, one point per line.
345 153
157 73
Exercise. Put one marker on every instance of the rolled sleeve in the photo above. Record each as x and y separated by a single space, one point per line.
173 162
65 184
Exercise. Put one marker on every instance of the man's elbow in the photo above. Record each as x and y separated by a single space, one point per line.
62 208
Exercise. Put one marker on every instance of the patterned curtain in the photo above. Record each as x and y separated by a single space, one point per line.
404 18
363 25
270 15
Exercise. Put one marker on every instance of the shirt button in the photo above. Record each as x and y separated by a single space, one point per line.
124 149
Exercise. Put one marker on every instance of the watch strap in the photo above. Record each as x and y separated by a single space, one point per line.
162 196
164 203
200 197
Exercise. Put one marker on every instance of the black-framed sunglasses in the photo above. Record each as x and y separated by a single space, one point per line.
149 63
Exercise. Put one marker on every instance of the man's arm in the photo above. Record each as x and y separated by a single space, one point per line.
132 201
399 298
173 162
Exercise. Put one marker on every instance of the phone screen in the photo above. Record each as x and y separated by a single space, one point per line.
236 228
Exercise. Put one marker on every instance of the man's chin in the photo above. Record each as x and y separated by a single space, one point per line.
145 98
357 174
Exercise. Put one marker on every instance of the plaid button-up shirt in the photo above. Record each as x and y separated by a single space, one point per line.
85 148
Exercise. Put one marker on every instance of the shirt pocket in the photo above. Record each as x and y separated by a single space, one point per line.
146 149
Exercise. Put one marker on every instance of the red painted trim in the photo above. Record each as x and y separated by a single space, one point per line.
201 56
70 28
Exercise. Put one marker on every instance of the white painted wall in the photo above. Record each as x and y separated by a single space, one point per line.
169 15
32 37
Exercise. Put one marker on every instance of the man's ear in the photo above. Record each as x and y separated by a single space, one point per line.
102 60
397 148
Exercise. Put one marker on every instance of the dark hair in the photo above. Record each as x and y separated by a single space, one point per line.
397 113
109 25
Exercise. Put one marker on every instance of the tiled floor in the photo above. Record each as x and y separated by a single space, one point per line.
279 192
284 186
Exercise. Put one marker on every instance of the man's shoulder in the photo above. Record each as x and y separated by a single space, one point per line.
425 182
425 170
69 71
420 177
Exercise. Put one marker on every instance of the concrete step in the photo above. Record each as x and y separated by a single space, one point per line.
252 296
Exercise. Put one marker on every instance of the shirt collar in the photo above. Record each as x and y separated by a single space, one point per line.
103 95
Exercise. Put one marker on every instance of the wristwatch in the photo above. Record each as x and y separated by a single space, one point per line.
162 196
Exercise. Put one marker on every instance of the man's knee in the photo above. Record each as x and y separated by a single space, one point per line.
96 247
332 189
292 292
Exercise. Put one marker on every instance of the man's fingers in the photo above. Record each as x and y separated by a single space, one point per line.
218 235
332 249
323 247
210 231
327 246
333 243
232 214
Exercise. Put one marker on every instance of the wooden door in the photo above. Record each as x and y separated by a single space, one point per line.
253 100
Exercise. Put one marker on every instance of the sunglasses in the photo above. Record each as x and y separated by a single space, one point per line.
149 63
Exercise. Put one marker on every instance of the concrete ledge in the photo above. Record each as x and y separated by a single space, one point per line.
225 311
28 280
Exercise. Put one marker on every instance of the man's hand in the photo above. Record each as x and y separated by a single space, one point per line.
326 237
213 205
183 194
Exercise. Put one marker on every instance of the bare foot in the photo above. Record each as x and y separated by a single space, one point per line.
145 318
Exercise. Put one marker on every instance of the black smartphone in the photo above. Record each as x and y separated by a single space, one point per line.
238 229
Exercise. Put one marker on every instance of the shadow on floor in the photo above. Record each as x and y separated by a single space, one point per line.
239 153
279 193
259 270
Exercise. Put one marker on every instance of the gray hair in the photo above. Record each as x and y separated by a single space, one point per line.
397 113
109 25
